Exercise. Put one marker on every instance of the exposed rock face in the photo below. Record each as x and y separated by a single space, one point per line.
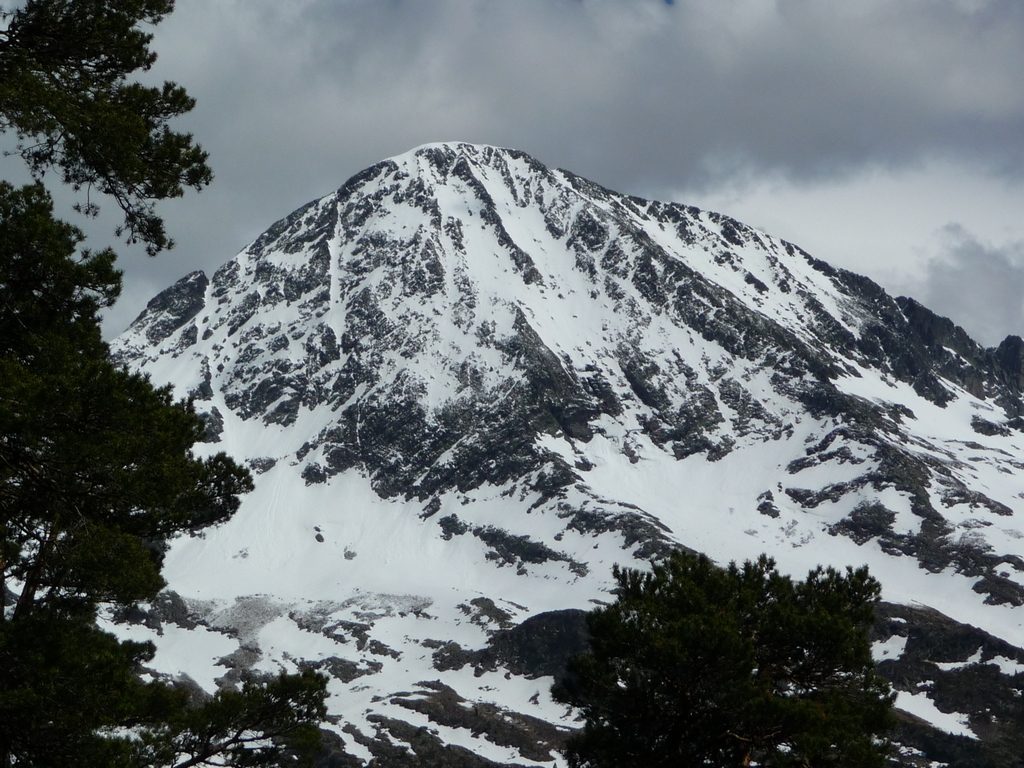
170 309
962 670
469 384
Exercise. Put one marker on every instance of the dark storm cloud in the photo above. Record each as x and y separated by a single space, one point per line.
979 285
636 93
644 96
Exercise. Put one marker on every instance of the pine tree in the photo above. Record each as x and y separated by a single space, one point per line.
696 665
96 467
66 93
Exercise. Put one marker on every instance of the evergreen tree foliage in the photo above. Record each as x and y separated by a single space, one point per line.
696 665
65 93
262 724
95 472
96 464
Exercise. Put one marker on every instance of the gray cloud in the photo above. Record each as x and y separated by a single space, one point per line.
644 97
638 94
977 284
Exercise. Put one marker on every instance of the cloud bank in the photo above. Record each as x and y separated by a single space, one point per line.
647 97
981 283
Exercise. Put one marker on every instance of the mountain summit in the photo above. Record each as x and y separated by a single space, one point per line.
469 384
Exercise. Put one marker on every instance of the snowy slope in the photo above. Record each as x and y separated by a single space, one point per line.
468 384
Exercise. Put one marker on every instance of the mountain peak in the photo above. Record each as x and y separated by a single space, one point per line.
454 148
469 384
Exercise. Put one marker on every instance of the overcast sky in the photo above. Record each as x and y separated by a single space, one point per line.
885 137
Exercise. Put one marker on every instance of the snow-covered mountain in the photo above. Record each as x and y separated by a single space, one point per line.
469 384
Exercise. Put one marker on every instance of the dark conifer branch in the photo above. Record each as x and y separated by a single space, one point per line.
699 665
95 463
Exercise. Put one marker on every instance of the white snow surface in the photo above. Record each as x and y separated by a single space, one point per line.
922 706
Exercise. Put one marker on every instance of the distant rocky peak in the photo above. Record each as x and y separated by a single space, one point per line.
172 308
447 311
468 384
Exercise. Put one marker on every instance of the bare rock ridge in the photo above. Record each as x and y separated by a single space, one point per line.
468 384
